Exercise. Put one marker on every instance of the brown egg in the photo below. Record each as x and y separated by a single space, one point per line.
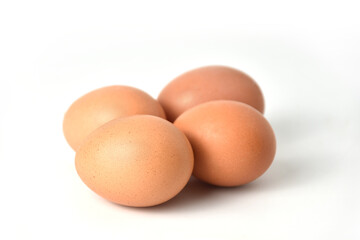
136 161
233 143
206 84
103 105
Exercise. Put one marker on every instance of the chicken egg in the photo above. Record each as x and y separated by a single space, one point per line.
233 143
103 105
137 161
206 84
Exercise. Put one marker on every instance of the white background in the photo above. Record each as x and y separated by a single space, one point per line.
305 55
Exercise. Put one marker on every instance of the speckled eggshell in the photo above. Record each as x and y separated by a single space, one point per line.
233 143
206 84
103 105
136 161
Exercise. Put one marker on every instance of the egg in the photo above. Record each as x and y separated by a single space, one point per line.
103 105
137 161
233 143
206 84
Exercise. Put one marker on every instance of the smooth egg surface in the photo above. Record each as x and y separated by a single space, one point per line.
103 105
233 143
137 161
207 84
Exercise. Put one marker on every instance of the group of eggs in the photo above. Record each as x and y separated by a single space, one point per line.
137 151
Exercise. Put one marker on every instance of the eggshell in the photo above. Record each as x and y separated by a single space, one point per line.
102 105
136 161
206 84
233 143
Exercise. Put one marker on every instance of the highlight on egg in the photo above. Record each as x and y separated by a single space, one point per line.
207 84
137 161
103 105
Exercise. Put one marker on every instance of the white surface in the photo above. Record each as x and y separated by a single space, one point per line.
305 57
